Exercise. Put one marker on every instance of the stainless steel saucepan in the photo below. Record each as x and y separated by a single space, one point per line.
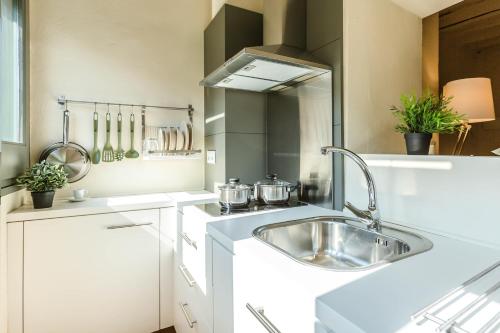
273 191
234 194
74 159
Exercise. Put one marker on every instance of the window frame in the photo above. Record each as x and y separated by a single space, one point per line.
14 157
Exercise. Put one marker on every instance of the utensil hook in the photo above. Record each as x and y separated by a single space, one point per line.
65 124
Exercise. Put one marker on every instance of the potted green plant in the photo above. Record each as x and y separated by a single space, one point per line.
42 179
420 117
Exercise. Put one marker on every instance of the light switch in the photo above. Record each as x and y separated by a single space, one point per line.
210 156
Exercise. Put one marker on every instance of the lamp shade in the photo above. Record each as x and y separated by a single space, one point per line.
472 97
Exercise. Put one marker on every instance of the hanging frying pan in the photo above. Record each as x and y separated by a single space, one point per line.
71 156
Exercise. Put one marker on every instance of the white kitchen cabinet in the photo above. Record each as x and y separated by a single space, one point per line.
222 289
191 314
15 277
192 282
92 274
249 290
168 225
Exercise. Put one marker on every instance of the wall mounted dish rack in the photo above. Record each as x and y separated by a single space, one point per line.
470 308
159 150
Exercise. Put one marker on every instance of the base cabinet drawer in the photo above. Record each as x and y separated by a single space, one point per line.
192 306
192 245
188 321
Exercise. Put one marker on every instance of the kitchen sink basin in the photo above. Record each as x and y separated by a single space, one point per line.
340 243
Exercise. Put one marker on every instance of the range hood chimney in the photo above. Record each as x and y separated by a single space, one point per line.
283 62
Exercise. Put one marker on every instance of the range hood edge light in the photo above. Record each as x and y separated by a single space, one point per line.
280 55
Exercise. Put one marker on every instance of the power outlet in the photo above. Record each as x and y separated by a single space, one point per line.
210 156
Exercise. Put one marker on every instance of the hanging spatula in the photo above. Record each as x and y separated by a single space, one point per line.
119 152
96 153
132 153
107 152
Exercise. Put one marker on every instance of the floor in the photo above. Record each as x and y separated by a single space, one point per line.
166 330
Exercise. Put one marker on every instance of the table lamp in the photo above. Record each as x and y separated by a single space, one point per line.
473 98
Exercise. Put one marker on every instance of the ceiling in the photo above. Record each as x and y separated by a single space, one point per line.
423 8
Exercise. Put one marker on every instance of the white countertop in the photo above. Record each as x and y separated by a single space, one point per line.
371 301
65 208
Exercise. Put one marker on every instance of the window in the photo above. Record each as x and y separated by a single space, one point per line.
11 67
13 111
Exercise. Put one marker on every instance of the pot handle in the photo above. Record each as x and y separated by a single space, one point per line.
293 187
234 180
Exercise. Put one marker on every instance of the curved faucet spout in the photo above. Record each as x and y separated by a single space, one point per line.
372 215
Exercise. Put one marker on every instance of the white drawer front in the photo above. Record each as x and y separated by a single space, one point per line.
188 291
187 320
265 300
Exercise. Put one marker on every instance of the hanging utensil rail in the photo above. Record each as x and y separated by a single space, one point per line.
62 100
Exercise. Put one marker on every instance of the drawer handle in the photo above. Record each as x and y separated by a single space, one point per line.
189 278
121 226
259 314
190 321
189 241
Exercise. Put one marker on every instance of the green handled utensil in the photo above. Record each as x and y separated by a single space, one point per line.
107 152
119 152
132 153
96 153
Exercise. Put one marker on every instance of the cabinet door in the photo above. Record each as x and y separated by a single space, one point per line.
92 274
265 295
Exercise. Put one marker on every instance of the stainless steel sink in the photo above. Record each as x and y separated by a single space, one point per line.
341 243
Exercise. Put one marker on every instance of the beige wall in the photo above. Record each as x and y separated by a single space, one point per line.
382 59
129 51
253 5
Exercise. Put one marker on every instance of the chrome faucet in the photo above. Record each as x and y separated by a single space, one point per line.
370 217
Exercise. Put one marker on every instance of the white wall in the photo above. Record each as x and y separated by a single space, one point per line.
382 59
448 195
130 51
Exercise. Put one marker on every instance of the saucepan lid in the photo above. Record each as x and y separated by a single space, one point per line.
272 179
234 184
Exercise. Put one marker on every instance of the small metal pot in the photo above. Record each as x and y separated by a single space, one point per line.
234 194
273 191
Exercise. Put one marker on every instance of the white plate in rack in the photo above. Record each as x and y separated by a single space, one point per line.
172 138
166 138
181 139
185 134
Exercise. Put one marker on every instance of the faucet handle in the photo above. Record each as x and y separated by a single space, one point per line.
364 214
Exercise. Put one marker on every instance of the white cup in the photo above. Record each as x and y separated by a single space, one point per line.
80 194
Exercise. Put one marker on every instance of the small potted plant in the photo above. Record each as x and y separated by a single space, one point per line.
420 117
42 179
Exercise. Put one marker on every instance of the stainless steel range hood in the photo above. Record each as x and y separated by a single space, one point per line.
265 68
282 63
